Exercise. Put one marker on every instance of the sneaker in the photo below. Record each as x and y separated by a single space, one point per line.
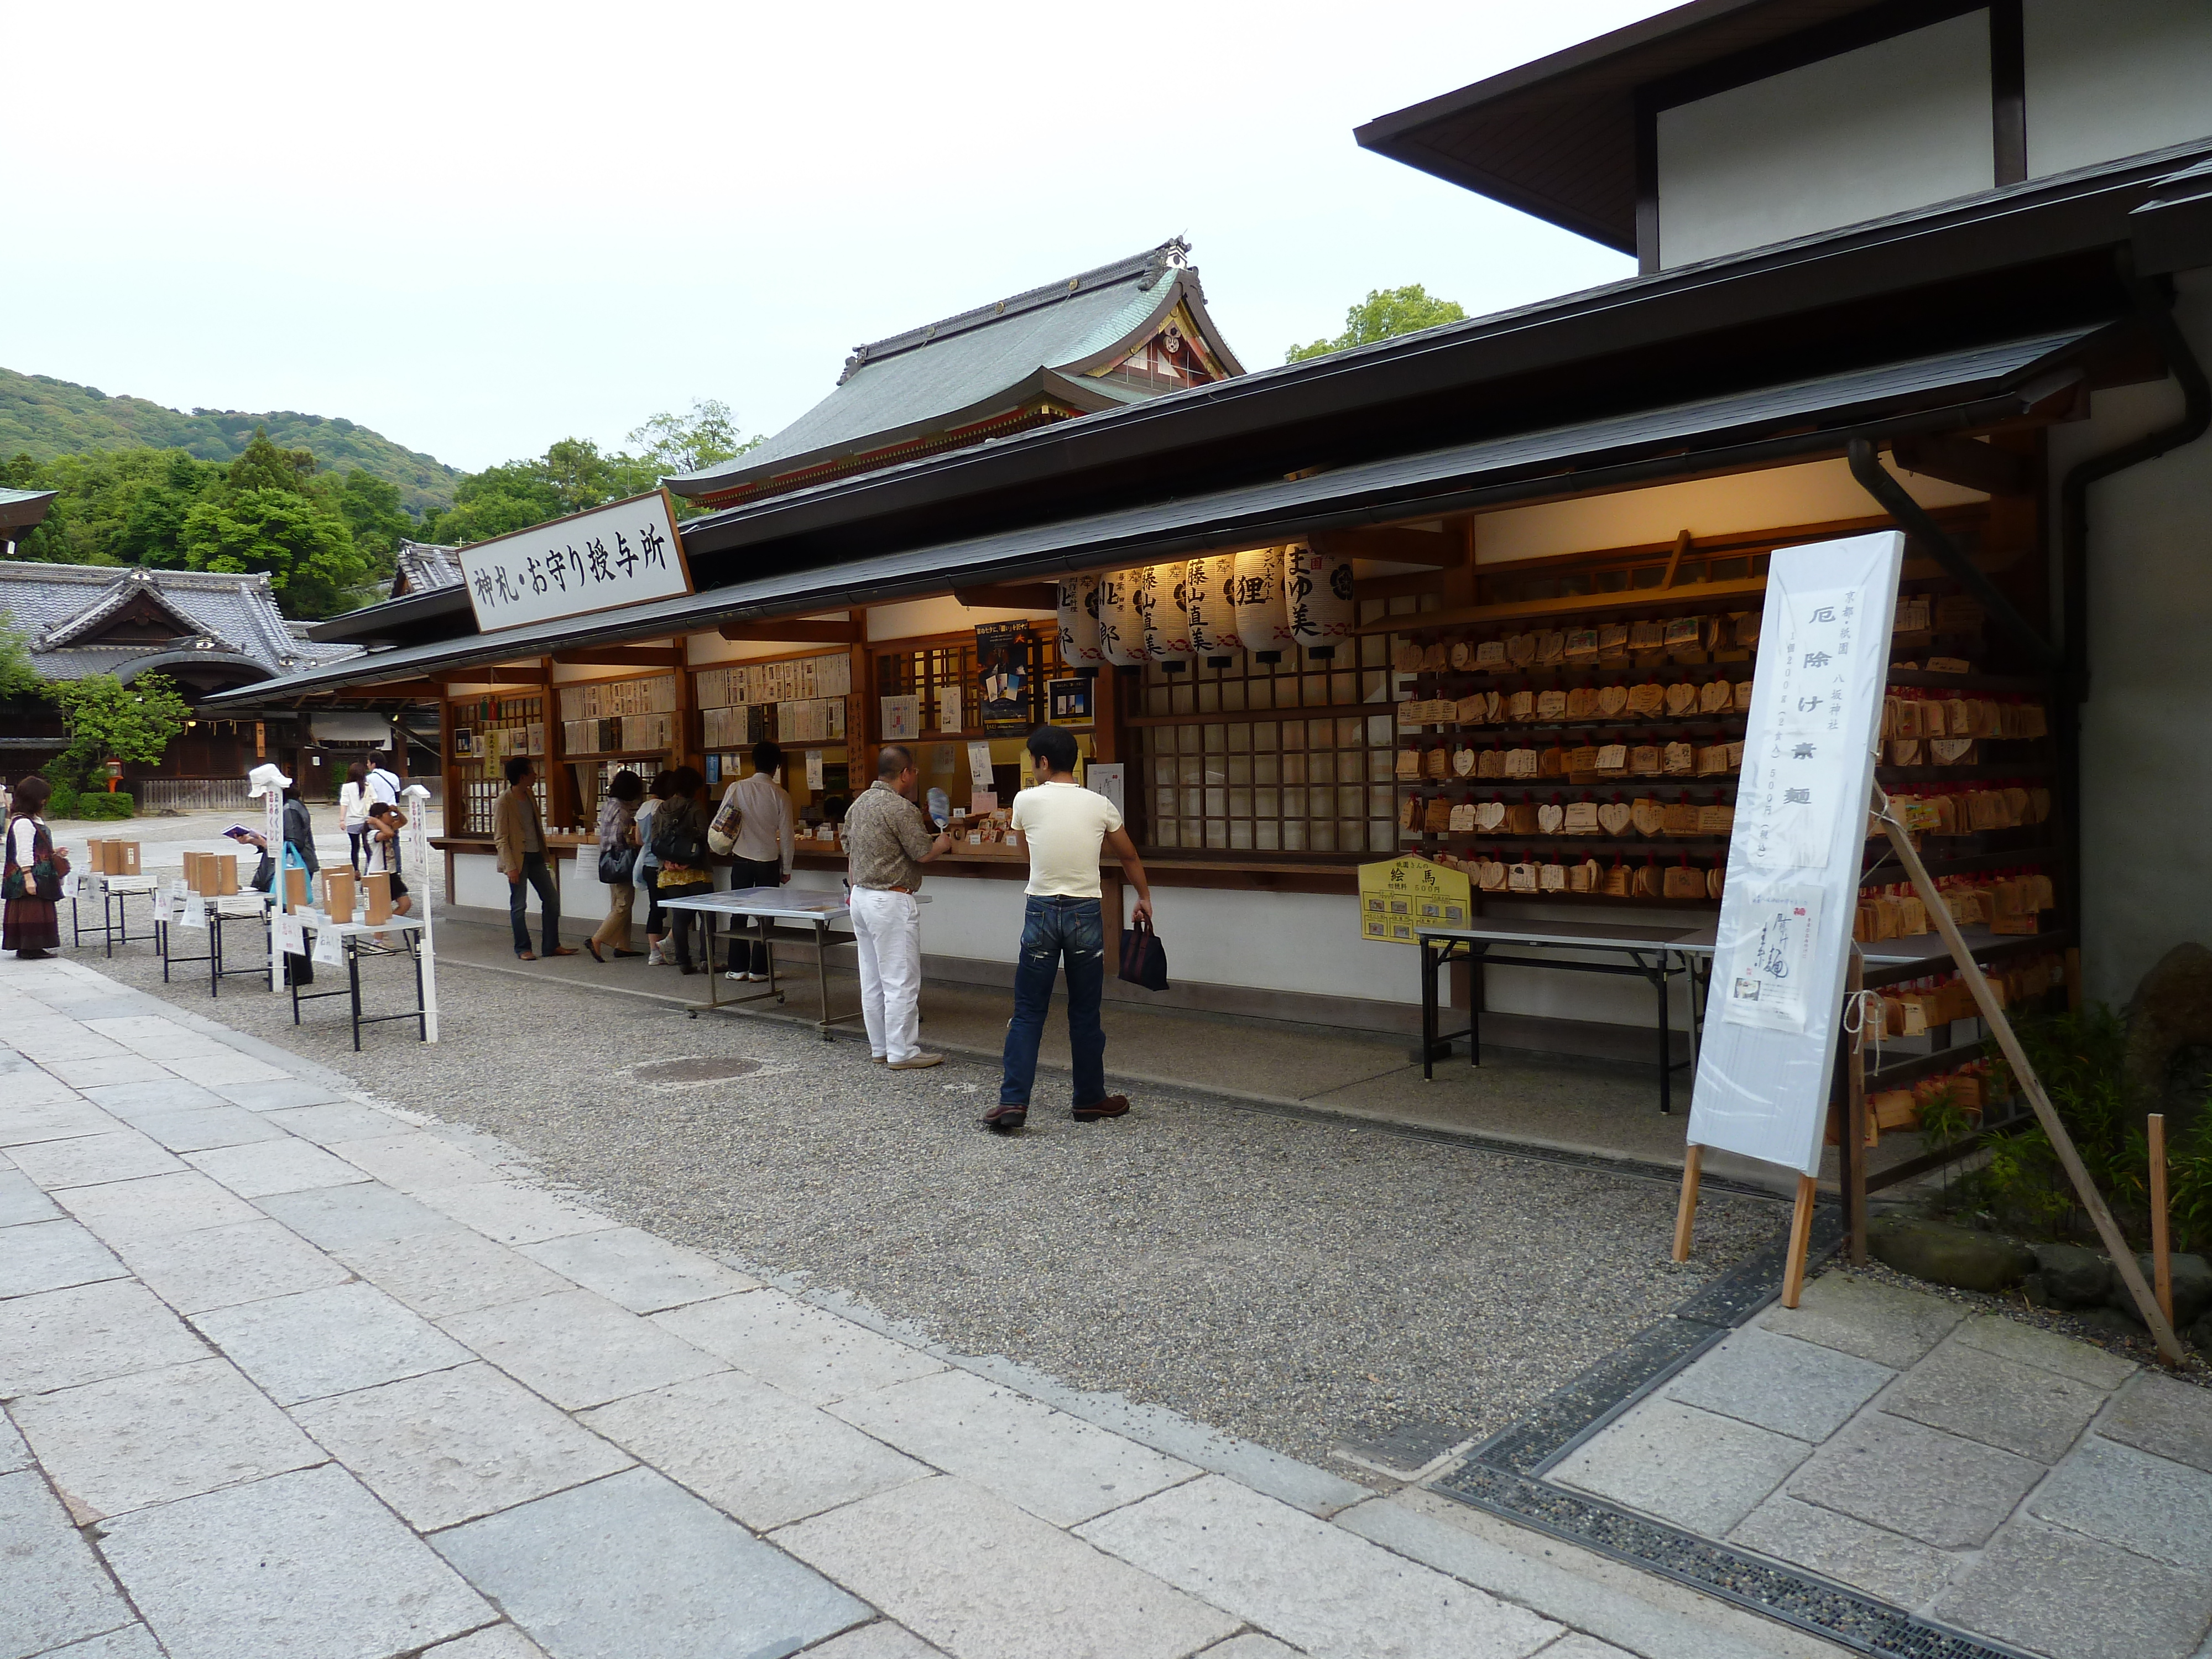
915 1062
1112 1106
653 958
739 977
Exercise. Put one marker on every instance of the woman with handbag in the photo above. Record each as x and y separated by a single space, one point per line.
618 863
34 868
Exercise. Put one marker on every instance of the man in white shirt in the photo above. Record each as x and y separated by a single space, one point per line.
382 784
760 853
1064 826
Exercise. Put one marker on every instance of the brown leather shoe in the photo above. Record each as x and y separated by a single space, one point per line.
1004 1118
1112 1106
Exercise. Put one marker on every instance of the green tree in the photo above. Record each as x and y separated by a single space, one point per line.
108 719
671 443
303 544
18 679
1384 314
262 466
371 508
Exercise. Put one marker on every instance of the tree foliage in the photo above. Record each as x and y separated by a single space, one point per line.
1383 315
18 679
108 719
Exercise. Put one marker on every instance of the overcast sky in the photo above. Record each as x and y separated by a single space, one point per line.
480 228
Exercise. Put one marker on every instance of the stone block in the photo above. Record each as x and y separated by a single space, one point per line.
1307 1583
1253 1645
514 1214
2057 1592
131 1642
299 1564
1900 1570
52 1588
1055 1467
1948 1255
635 1270
194 1129
413 1161
1779 1382
120 1154
585 1572
1889 1325
349 1218
2192 1289
266 1168
314 1343
2152 1505
802 1350
453 1272
932 1554
499 1642
2071 1277
578 1349
119 1210
2163 1417
274 1093
223 1267
101 1070
751 1450
456 1444
133 1101
1998 1401
159 1435
2031 1345
336 1122
13 1454
33 1113
20 1200
1936 1487
52 1255
59 1339
1698 1470
884 1640
230 1070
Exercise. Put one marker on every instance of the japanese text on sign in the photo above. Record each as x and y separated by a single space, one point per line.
626 554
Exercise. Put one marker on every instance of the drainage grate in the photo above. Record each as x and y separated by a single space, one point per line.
707 1069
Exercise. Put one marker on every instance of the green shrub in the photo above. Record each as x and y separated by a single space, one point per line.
100 804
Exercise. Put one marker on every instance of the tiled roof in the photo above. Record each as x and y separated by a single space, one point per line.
419 566
954 369
219 617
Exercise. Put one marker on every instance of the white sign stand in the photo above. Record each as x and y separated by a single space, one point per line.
418 858
272 831
1773 1015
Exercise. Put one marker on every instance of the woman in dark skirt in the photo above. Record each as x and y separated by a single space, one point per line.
32 927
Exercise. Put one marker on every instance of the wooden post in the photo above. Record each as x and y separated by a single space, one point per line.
1853 1152
1686 1213
2161 1262
1801 1239
564 802
2124 1259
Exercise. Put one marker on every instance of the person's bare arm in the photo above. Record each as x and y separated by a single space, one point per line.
1132 871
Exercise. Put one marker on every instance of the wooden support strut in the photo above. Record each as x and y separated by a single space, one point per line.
2124 1261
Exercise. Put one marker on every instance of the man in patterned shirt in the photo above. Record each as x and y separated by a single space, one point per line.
886 843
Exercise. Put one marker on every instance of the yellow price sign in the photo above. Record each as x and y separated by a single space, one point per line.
1400 895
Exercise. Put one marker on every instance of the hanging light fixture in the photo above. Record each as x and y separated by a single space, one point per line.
1121 622
1167 621
1318 599
1079 624
1261 621
1209 586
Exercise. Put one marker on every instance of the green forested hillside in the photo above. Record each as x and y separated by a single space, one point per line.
46 418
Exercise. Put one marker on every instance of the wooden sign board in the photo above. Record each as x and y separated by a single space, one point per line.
1400 895
625 554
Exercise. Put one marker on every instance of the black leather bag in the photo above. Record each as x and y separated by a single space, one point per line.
1144 958
619 865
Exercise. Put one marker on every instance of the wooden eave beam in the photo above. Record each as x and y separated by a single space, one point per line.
795 632
1964 462
610 656
487 675
1010 596
407 690
1439 551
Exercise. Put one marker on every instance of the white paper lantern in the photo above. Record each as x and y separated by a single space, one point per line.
1121 620
1208 588
1317 598
1079 624
1261 621
1166 619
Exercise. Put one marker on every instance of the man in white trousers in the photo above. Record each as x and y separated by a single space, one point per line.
886 843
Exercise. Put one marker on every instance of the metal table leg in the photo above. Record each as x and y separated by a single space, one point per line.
1429 964
353 984
822 975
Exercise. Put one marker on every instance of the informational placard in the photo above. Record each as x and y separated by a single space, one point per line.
1774 1014
949 700
1002 674
195 910
814 770
330 947
623 555
291 935
978 765
1106 778
901 719
1400 895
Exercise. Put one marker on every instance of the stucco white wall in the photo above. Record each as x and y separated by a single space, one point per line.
2146 774
1891 125
2107 78
1819 492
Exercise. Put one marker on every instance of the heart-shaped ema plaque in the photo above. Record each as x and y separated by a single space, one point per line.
1610 699
1645 701
1462 761
1550 819
1644 814
1488 815
1613 817
1682 698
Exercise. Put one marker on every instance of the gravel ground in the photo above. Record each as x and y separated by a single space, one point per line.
1299 1283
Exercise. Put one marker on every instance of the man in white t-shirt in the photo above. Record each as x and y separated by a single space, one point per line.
1064 826
382 784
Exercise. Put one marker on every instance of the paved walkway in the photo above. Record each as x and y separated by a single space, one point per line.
289 1374
2001 1479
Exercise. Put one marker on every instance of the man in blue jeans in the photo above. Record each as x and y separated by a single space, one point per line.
1064 826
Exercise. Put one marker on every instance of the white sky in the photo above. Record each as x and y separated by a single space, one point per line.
480 228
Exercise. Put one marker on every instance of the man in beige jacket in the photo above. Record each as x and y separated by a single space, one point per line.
518 833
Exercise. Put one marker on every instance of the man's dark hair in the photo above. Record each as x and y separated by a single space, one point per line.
767 756
518 766
384 809
1055 746
664 784
892 761
689 780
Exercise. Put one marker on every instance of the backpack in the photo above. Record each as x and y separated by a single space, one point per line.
675 838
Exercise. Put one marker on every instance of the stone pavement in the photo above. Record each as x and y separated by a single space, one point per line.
288 1374
1999 1478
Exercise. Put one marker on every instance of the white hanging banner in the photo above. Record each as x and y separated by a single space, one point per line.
978 765
195 910
1773 1015
414 800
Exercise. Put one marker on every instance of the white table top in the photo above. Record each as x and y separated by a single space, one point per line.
389 925
1588 935
776 903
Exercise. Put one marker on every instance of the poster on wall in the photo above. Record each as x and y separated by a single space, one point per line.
1002 673
1400 895
901 719
1067 703
1774 1014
